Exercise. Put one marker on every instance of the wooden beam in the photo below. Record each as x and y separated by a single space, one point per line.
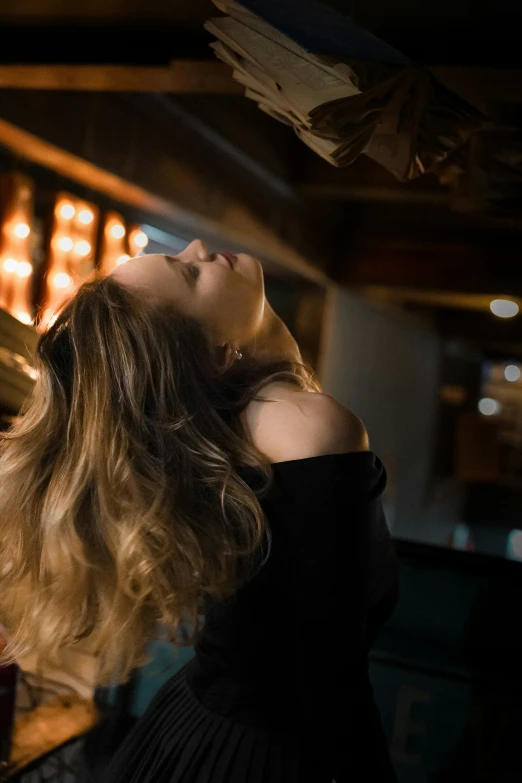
448 300
69 165
239 229
486 88
182 76
439 266
482 328
360 192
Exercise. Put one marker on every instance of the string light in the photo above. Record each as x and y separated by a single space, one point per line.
71 251
10 264
117 231
62 280
31 371
82 247
22 230
65 244
141 239
512 373
85 217
24 269
489 407
504 308
67 211
123 258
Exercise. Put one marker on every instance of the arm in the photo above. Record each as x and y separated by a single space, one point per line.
335 506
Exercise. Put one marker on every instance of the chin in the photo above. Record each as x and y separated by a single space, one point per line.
251 263
258 264
252 258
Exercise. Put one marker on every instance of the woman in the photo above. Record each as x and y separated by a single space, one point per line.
178 459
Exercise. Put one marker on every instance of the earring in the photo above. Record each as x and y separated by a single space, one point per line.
239 355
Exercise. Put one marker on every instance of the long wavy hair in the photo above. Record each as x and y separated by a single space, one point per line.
121 508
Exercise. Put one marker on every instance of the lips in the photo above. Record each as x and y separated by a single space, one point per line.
231 258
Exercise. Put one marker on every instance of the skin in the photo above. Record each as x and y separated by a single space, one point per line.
229 303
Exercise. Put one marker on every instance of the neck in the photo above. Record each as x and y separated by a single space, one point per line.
273 342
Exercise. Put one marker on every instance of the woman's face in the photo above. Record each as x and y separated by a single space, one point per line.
229 302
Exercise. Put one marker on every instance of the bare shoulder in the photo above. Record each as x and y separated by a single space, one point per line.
342 429
304 424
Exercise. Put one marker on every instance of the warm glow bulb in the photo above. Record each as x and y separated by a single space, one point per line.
10 264
488 407
22 230
62 280
85 217
123 258
117 231
65 244
515 544
504 308
512 373
67 211
24 269
141 239
82 247
25 318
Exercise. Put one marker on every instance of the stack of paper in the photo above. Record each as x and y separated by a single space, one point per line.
342 107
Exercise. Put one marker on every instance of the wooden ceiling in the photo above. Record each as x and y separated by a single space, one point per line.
182 14
446 32
194 142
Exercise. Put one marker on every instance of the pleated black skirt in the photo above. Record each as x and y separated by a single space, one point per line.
179 740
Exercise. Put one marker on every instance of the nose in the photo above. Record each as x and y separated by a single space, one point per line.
200 249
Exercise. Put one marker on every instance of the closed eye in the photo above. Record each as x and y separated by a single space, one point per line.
190 271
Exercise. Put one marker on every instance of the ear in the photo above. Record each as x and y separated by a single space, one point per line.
225 355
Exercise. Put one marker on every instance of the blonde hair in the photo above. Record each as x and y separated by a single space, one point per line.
120 506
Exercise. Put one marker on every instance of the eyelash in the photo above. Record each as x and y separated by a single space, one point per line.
194 269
